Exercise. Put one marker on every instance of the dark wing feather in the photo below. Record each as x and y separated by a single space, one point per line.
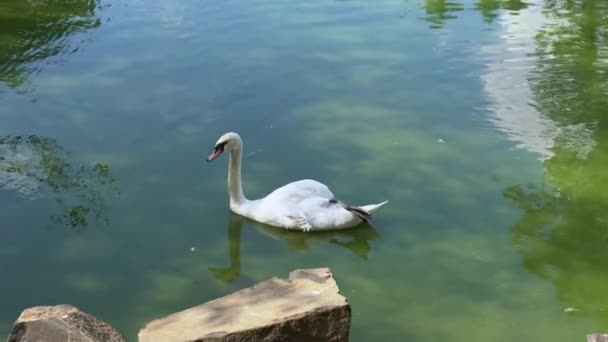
362 214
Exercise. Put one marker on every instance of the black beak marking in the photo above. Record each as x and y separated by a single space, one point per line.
218 149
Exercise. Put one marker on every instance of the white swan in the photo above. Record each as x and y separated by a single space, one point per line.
302 205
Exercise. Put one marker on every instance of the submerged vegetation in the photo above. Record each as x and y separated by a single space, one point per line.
32 164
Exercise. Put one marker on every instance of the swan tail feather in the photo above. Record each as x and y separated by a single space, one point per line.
363 212
370 208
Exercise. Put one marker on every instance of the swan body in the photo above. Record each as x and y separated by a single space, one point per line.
306 205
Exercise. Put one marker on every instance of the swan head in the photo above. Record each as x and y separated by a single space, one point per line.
227 142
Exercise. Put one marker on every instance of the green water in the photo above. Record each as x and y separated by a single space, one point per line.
482 123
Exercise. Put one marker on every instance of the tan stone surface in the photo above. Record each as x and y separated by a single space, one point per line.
597 338
305 307
61 323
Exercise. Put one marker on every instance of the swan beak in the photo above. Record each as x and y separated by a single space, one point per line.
216 153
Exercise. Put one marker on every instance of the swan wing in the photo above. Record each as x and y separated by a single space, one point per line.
291 205
325 214
301 189
308 205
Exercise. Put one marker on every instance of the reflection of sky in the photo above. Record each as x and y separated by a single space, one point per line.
505 81
506 85
24 158
172 13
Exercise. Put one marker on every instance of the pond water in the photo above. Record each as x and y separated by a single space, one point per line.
481 121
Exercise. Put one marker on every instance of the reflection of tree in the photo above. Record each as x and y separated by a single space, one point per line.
355 240
33 30
488 8
514 5
564 240
563 233
27 164
438 11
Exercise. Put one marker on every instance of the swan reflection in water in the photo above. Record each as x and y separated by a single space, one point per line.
356 240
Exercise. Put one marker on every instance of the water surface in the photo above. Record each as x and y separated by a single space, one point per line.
481 122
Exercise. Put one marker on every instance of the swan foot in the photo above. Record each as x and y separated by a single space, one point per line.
301 223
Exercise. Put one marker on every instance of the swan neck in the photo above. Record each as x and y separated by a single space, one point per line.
235 189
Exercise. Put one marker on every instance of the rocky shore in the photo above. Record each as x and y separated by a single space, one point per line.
307 306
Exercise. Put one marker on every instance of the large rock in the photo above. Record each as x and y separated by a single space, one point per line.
306 307
597 338
61 323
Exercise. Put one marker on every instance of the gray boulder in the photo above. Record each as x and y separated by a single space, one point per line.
61 323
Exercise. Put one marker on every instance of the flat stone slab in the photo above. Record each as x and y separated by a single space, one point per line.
61 323
305 307
597 338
